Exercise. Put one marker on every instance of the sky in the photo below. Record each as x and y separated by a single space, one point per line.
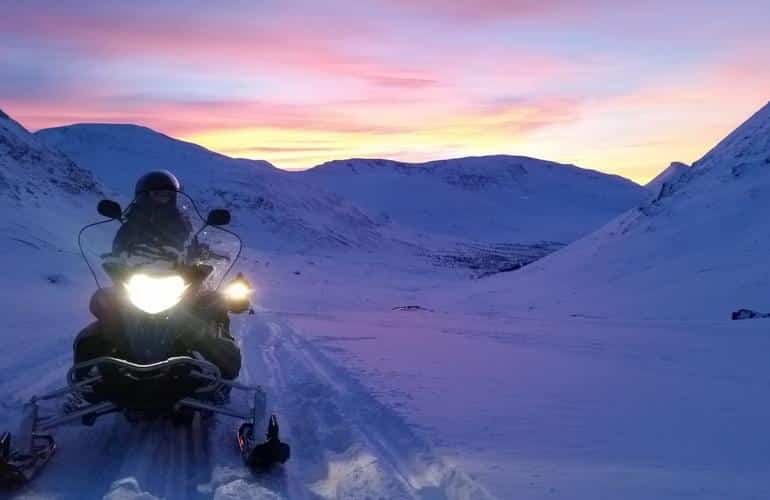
624 88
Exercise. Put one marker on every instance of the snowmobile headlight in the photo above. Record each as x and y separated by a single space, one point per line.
237 291
155 294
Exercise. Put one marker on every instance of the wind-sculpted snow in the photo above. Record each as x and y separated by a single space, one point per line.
699 249
493 199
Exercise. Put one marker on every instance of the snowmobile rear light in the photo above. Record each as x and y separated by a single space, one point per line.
155 294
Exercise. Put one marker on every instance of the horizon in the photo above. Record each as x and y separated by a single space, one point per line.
342 159
405 162
624 93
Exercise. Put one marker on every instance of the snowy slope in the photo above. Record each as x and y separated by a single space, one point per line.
30 171
493 199
44 199
282 213
44 195
697 250
670 175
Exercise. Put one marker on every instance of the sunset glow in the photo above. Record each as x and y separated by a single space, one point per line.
624 90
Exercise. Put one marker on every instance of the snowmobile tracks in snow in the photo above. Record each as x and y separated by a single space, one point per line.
344 444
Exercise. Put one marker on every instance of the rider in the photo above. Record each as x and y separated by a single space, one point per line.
153 221
154 228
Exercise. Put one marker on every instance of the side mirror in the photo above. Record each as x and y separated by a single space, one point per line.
110 209
218 217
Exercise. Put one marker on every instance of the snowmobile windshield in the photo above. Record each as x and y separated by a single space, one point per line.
161 233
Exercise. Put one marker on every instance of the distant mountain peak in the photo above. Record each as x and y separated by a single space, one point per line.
4 116
500 198
748 144
82 136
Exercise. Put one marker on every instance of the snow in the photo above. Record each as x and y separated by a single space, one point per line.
669 175
493 199
571 408
607 369
442 212
29 170
696 251
281 213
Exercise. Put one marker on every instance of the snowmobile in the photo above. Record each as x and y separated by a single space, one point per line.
150 376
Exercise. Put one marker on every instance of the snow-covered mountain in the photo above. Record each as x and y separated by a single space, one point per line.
493 199
669 175
510 209
280 212
700 249
30 171
44 195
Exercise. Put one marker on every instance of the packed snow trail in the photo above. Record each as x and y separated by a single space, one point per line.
344 443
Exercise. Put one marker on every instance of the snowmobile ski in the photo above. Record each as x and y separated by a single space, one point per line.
262 455
17 467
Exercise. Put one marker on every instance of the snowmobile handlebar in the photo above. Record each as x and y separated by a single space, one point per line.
206 370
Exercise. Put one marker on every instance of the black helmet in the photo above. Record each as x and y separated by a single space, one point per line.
157 180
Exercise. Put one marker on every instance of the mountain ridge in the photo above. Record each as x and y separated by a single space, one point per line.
495 199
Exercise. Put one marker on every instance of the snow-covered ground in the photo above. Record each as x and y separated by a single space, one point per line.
608 369
545 405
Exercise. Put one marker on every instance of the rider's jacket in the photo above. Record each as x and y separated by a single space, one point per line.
146 228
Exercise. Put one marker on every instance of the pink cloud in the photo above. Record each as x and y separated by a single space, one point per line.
404 82
291 43
519 117
491 10
180 118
